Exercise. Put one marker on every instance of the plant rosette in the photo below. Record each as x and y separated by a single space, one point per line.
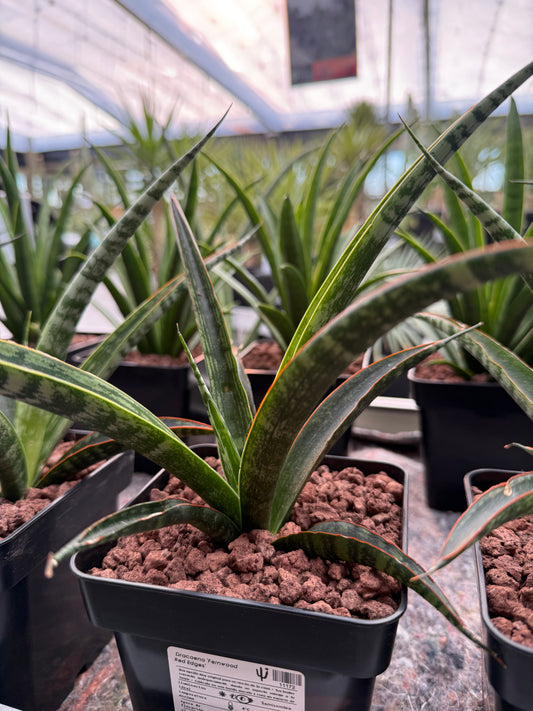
288 595
268 455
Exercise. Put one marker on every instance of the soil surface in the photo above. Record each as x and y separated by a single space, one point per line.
507 555
429 370
182 557
267 355
163 361
14 514
135 356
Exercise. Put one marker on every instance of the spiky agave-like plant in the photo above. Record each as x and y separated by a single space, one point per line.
268 456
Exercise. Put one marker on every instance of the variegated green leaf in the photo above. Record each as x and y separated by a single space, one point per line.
515 376
313 195
513 193
339 540
495 225
351 187
499 504
295 292
95 447
61 324
343 280
224 379
13 472
43 381
290 401
334 414
108 354
148 517
290 241
256 220
227 451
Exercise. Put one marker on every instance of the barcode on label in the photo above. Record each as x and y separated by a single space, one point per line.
286 677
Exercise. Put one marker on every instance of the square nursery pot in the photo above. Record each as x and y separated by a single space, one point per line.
163 389
238 654
45 638
513 682
466 426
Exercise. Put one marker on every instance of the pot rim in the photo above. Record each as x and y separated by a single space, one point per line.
480 573
77 565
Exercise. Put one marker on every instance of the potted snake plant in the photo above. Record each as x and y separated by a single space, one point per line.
44 641
266 459
467 418
267 489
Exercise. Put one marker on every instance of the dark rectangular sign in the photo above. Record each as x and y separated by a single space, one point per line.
321 40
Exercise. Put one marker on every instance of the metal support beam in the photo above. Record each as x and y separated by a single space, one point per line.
158 18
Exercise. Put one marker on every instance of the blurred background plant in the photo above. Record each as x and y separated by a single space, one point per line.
504 307
39 252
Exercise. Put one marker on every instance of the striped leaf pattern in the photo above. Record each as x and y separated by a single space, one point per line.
499 504
339 540
343 280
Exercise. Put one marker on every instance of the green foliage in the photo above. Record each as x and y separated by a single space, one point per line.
260 481
511 301
148 261
28 434
504 307
301 231
35 263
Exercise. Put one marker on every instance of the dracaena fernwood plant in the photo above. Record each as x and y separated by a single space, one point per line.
29 435
267 456
504 307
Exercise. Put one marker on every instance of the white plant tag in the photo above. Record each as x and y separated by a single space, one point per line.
206 681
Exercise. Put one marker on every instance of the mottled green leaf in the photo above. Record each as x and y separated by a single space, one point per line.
339 540
499 504
148 517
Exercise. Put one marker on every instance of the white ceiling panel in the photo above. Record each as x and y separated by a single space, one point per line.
71 69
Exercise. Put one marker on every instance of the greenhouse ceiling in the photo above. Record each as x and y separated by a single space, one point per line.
76 69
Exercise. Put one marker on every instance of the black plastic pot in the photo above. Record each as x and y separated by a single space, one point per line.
260 382
466 426
331 661
45 637
513 682
162 389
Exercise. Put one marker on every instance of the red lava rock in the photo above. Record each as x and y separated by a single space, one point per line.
496 576
14 514
250 568
508 564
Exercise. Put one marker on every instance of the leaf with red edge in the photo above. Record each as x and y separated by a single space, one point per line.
148 516
340 540
95 447
499 504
